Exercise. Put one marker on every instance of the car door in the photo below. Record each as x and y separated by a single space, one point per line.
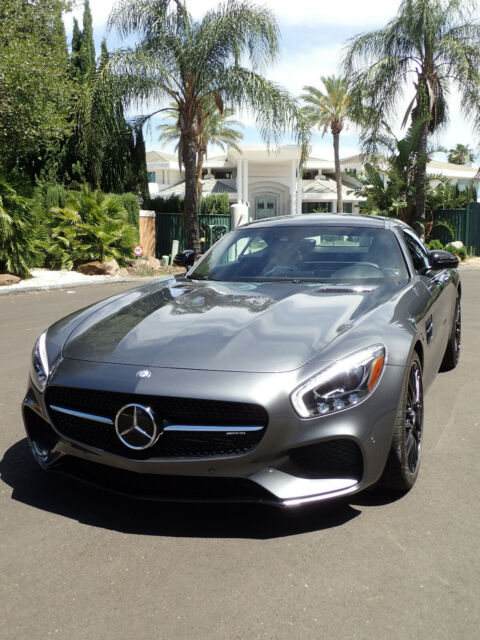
436 321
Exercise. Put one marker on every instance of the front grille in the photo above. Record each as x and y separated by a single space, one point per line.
171 444
340 458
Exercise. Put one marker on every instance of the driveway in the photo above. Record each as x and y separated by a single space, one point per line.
77 563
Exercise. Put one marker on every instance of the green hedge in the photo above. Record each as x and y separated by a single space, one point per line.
213 204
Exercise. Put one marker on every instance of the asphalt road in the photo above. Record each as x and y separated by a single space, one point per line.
76 563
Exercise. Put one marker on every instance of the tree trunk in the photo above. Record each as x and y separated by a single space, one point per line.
191 191
421 173
338 170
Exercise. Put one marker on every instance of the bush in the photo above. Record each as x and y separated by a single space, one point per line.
461 253
213 204
48 195
92 226
172 204
434 245
443 231
18 230
131 204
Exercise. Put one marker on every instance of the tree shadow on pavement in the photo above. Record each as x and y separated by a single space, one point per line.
89 505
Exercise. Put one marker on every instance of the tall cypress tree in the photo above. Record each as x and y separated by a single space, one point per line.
139 163
103 150
76 44
87 47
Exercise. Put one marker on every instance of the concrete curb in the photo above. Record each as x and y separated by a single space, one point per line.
73 285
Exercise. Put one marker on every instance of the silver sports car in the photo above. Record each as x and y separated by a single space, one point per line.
288 365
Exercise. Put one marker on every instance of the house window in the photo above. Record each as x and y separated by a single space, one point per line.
347 207
309 175
316 207
151 176
223 175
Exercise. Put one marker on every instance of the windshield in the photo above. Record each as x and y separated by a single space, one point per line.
314 253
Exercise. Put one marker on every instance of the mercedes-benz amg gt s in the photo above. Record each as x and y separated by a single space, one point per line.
288 365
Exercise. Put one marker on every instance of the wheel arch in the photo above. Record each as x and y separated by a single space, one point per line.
418 348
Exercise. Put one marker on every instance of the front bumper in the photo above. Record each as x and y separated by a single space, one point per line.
296 461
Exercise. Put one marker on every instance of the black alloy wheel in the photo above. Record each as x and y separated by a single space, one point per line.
414 419
452 352
403 462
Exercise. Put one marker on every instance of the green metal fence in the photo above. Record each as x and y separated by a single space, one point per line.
170 226
466 223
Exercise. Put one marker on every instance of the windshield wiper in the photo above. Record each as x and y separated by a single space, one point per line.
199 277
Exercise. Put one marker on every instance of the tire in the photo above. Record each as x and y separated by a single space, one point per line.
403 462
452 352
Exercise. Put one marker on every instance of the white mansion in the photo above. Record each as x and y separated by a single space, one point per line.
268 183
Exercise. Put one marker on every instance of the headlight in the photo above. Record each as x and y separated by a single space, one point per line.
40 368
341 385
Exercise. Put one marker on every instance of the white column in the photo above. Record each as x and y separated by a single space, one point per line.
239 181
293 186
299 191
245 181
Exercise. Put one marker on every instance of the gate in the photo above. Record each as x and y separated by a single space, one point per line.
466 223
170 226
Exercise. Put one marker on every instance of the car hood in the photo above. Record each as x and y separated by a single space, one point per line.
266 327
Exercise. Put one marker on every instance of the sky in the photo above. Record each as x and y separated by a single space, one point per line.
313 35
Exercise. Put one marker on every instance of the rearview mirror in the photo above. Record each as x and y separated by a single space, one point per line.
442 260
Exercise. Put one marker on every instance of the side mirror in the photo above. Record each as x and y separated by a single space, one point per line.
442 260
184 259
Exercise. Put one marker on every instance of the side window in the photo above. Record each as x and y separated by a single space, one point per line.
417 252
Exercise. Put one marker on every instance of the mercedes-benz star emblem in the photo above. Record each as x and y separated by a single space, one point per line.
144 373
136 427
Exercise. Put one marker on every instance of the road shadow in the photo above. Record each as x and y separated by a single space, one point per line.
73 499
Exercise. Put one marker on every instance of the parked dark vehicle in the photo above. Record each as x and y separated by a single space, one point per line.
287 366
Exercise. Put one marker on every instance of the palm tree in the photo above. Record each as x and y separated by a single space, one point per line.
194 62
461 154
329 111
430 46
218 129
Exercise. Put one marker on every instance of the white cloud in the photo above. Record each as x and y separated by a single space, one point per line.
301 12
310 12
300 68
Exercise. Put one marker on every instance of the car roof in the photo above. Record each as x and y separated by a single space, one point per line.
333 219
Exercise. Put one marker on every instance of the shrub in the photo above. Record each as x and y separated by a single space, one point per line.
461 253
434 245
215 204
92 226
443 231
18 230
131 204
48 195
172 204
